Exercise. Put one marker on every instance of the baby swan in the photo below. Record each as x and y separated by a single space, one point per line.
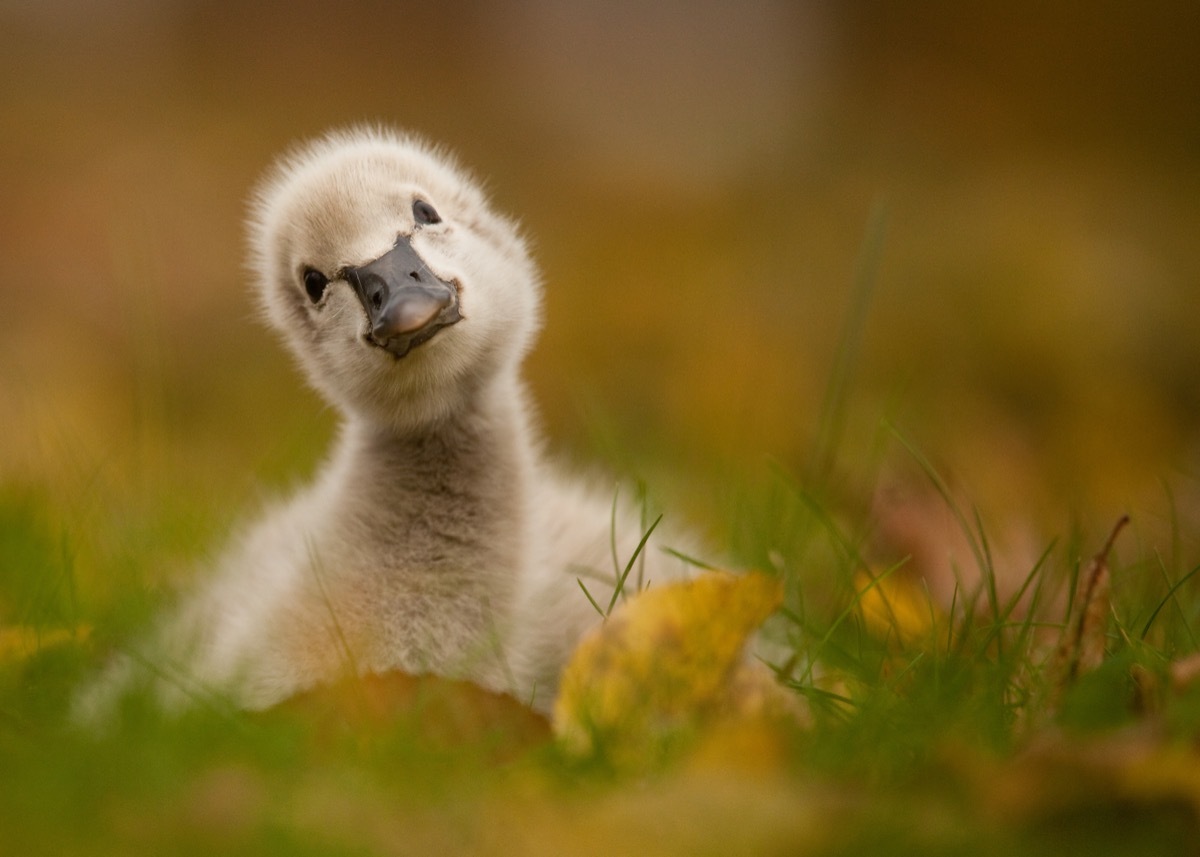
435 538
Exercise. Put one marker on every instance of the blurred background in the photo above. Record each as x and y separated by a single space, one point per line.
698 180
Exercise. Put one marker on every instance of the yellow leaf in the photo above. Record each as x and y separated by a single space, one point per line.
662 662
21 642
895 608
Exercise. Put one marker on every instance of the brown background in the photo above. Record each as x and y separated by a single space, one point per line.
697 179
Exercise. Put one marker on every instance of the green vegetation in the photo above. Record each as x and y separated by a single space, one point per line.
929 479
940 721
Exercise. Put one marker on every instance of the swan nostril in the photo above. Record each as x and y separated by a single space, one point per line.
415 275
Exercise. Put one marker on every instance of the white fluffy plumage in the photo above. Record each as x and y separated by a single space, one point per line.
436 538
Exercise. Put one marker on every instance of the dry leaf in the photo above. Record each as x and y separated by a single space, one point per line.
443 712
662 663
1185 672
1081 647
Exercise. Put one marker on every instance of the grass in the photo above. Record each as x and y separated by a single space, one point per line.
937 724
945 743
1072 253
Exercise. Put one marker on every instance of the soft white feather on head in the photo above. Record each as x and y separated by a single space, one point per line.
341 200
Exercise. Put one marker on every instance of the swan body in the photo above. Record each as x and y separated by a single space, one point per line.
436 537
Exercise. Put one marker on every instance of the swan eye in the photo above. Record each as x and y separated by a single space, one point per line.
424 213
315 283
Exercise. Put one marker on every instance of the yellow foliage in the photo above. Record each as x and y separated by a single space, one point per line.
895 608
664 661
20 642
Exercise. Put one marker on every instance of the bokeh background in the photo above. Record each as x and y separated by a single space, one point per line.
698 180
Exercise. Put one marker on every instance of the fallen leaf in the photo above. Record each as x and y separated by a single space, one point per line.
663 663
445 713
895 608
1081 646
1184 673
21 642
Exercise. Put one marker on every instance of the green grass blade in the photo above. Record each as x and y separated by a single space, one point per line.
981 555
590 599
846 613
612 532
1006 613
1168 597
690 560
624 575
832 420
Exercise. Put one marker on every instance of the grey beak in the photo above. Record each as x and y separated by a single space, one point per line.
406 303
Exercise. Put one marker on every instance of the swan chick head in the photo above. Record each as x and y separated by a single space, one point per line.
389 276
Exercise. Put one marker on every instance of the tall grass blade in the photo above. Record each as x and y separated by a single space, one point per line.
832 421
690 560
624 575
978 549
612 532
590 599
1004 614
641 501
846 613
1168 597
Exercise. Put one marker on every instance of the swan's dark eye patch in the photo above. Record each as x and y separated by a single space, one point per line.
315 283
424 213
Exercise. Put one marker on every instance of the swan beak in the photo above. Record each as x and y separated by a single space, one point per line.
406 303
